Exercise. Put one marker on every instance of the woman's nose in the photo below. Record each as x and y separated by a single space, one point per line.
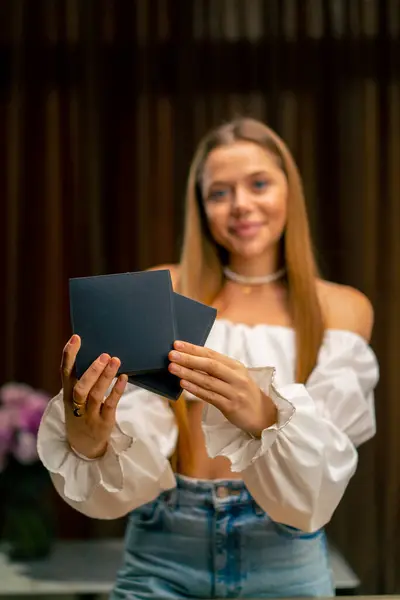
240 200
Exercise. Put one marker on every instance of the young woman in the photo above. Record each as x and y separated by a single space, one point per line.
228 489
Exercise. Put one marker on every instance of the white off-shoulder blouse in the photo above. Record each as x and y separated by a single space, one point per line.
297 472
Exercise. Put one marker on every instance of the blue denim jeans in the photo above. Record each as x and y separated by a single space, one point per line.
209 539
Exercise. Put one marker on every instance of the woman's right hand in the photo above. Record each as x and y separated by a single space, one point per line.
89 433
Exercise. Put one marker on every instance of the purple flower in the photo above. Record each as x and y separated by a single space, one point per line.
21 410
25 450
6 435
29 415
15 394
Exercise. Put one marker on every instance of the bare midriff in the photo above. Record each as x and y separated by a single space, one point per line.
204 467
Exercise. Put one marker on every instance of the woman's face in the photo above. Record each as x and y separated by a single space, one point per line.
245 198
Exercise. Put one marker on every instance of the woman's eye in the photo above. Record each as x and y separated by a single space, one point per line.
260 184
217 194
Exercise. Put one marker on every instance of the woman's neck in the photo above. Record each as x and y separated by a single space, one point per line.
256 266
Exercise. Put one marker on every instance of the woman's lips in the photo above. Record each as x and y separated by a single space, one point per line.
245 230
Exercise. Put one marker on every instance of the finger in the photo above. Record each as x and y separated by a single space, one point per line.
70 351
211 366
89 378
207 353
203 380
109 406
96 395
207 395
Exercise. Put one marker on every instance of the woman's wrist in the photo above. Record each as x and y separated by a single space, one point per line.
269 416
90 453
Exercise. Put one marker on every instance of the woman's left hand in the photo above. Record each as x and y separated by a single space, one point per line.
226 384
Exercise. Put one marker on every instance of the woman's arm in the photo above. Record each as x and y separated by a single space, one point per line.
134 469
294 446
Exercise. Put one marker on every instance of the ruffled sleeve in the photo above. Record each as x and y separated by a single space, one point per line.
299 469
133 471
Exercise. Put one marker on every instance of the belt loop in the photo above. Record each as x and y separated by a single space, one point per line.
171 498
222 491
258 510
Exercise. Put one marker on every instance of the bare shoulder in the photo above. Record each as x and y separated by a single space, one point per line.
346 308
173 269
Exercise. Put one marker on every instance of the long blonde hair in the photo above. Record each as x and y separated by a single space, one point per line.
200 273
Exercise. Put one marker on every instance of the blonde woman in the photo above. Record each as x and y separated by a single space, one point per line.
228 490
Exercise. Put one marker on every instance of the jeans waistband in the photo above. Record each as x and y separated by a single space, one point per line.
195 492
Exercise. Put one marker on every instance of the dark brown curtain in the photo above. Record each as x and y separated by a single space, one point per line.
101 105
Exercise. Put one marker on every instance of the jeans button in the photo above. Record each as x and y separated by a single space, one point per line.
222 492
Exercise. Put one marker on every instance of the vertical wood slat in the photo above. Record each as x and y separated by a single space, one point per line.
90 124
144 141
391 268
15 124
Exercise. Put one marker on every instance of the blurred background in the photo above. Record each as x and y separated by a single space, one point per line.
102 103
